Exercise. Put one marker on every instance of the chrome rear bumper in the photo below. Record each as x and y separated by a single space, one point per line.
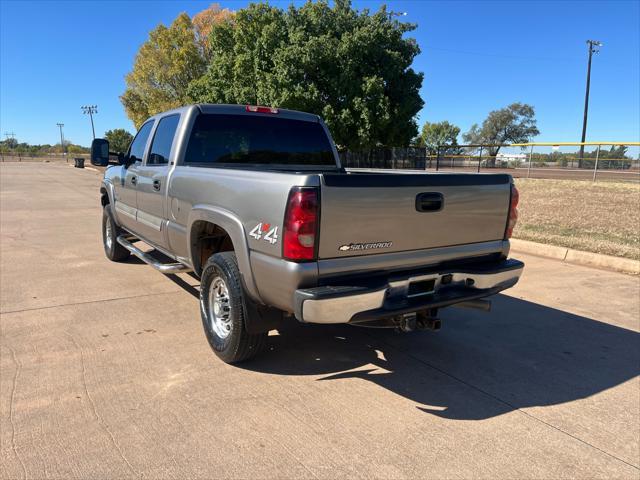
354 304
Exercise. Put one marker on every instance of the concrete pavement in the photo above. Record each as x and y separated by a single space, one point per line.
106 373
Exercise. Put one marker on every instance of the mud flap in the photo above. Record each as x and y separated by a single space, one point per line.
260 318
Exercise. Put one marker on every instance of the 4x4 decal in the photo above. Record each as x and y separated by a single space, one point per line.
264 231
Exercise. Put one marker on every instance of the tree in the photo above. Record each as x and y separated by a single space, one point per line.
163 69
10 142
352 68
203 23
119 139
436 134
71 148
512 124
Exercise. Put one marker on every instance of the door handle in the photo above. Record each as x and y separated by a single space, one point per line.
156 185
429 202
134 180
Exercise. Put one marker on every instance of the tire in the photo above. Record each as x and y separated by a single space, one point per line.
223 311
110 231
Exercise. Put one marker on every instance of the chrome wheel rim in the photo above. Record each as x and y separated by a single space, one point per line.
108 235
219 308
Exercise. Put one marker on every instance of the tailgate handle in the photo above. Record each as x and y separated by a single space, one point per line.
429 202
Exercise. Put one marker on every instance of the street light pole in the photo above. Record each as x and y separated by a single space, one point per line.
593 48
60 125
90 110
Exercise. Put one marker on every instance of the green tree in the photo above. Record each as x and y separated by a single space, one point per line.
513 124
351 67
436 134
203 23
119 139
163 69
72 148
10 142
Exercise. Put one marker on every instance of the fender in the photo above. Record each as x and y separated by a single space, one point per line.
233 226
107 187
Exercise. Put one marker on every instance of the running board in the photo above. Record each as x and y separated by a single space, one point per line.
166 268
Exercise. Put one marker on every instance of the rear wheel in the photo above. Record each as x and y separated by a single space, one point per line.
110 231
223 313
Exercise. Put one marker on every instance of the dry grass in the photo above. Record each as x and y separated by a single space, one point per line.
601 217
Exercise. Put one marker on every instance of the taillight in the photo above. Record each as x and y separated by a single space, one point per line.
513 212
260 109
301 224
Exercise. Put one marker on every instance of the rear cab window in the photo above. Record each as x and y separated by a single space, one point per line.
226 140
163 140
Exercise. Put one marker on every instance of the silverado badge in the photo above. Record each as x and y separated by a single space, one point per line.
365 246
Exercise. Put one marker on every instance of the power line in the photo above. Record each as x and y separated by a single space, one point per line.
497 55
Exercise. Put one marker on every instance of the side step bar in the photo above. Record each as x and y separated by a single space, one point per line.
166 268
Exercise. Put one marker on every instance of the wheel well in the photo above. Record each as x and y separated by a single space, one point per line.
104 196
206 239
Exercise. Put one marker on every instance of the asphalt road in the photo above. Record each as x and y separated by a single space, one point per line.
105 371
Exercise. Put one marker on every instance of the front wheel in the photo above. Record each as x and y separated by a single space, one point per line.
223 313
110 231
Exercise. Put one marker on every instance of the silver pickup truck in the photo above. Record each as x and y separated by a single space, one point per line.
254 201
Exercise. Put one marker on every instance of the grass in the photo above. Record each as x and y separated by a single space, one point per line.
595 217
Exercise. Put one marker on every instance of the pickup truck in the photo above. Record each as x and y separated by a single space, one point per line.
254 201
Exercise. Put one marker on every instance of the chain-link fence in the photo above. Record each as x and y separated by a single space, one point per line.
617 161
13 156
613 161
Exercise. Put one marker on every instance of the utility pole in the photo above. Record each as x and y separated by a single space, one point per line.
90 110
60 125
593 48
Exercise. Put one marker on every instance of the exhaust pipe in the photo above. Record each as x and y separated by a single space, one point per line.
484 305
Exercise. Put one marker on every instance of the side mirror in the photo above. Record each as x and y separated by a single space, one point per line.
100 152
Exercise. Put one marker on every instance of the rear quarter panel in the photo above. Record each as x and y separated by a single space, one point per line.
255 201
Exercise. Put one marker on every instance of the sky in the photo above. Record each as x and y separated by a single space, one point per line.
476 56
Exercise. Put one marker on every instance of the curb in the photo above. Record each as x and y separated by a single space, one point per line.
577 257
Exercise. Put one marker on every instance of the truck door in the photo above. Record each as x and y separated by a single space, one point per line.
152 182
126 191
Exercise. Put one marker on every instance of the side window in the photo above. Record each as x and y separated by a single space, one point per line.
136 150
162 140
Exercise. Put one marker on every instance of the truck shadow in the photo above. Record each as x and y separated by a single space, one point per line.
478 366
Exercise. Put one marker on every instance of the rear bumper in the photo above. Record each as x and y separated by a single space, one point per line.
355 304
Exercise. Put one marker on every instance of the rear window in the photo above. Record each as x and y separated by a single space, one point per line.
257 140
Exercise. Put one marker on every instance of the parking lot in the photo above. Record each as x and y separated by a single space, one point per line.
106 373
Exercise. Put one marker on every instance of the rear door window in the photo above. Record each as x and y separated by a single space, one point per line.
162 140
136 150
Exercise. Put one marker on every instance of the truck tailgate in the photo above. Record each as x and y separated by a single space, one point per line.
372 213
